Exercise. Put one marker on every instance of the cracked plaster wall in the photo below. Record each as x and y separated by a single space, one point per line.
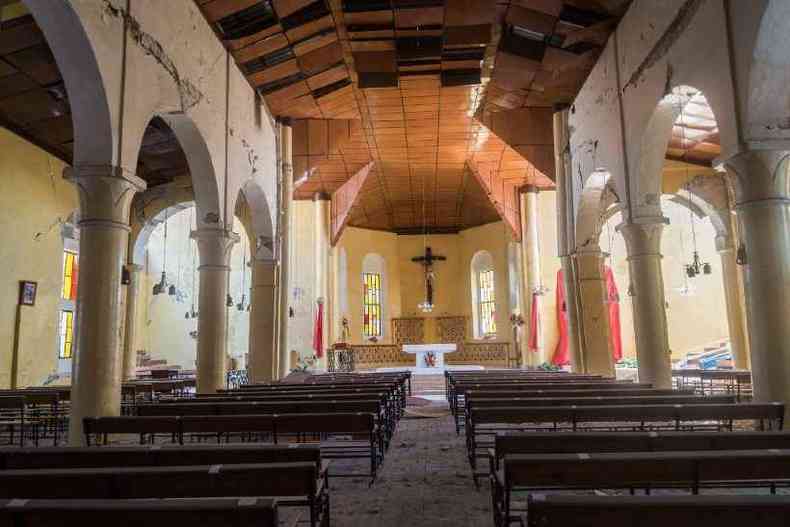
174 64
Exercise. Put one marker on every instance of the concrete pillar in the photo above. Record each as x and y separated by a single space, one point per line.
736 318
565 233
575 349
643 243
214 248
531 274
594 310
263 304
130 339
286 195
106 194
321 264
762 204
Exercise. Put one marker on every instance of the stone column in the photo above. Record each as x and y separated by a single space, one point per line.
594 310
531 274
286 196
106 194
565 234
643 243
263 304
575 350
762 204
736 319
214 248
130 339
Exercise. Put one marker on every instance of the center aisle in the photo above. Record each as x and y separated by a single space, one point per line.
425 481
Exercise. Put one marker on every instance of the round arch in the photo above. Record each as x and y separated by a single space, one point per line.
655 141
597 198
252 209
95 137
202 172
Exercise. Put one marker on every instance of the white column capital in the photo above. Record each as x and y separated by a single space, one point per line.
643 236
106 193
214 247
759 176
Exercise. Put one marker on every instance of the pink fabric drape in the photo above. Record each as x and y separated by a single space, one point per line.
318 333
613 296
561 357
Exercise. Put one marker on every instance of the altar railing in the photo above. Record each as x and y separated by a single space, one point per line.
370 356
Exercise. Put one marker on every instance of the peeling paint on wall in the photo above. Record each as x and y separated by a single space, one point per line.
189 94
675 30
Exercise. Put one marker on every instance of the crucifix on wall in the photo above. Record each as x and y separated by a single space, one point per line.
427 261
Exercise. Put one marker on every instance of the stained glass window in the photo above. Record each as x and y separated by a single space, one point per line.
66 334
371 304
69 276
486 303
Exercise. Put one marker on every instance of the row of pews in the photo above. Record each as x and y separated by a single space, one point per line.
261 455
569 450
42 413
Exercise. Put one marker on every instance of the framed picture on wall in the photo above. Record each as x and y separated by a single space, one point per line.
27 293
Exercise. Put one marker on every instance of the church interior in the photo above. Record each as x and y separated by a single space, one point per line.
474 262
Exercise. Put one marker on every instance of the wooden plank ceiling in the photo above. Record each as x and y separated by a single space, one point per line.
412 82
34 103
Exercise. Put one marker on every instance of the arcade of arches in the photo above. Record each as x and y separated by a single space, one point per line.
232 185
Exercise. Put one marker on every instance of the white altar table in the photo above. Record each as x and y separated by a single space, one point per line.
429 357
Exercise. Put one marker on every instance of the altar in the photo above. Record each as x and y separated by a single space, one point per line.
429 357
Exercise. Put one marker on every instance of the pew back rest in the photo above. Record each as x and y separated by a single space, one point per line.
160 455
215 512
272 479
657 511
340 423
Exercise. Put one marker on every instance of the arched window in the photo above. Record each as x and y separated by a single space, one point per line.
68 294
483 295
373 288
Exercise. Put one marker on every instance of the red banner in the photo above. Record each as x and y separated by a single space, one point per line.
318 333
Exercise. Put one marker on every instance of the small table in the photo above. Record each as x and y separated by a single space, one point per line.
429 356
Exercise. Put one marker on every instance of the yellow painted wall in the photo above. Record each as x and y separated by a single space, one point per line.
163 329
357 243
695 320
34 200
406 279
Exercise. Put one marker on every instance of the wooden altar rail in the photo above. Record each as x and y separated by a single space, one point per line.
369 356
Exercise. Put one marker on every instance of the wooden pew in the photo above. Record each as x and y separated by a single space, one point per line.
298 484
12 418
157 455
601 398
456 395
487 422
657 511
689 470
368 406
322 429
564 443
205 512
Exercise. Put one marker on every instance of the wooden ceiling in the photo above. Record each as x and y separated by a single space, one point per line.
34 103
411 81
695 135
